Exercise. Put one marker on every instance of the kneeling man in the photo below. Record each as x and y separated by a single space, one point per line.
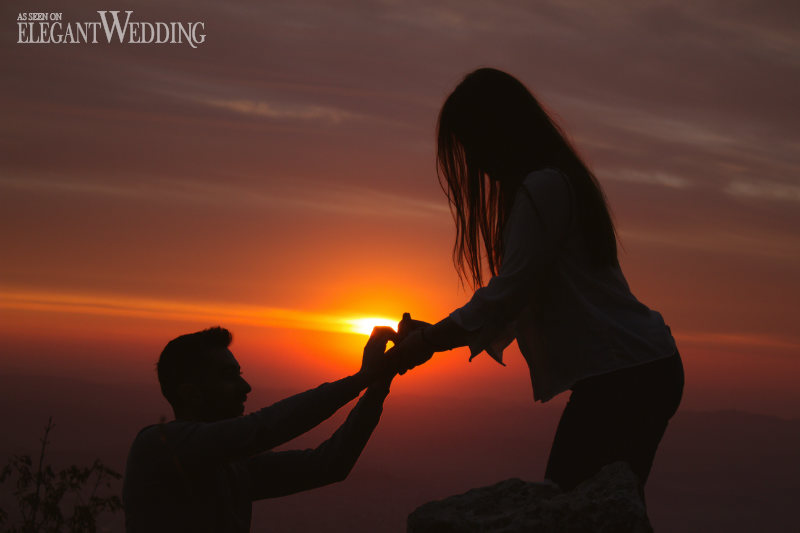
202 471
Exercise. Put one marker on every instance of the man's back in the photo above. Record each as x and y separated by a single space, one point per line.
164 493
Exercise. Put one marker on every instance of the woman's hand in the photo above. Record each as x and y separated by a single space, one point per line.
407 325
412 351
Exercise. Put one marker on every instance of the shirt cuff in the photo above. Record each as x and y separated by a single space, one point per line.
493 338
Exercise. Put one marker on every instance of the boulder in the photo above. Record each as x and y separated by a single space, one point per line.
609 502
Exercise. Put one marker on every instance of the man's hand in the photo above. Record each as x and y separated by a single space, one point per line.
374 363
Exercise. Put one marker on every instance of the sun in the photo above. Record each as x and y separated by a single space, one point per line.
364 325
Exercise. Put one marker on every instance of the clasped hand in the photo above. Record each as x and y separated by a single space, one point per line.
410 349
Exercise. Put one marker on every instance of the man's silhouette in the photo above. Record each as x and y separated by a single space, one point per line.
202 471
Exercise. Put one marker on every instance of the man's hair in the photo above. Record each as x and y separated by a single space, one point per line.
183 358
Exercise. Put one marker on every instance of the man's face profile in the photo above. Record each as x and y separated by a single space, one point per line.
220 391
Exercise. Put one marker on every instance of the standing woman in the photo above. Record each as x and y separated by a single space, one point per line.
532 217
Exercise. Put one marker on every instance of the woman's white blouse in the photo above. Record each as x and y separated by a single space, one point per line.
571 319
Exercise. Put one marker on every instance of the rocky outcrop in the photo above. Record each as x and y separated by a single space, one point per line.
607 503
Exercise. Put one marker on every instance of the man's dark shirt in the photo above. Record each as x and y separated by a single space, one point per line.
202 477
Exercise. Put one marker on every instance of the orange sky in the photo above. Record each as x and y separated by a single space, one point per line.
279 180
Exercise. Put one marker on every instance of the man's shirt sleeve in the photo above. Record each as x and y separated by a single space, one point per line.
237 438
274 474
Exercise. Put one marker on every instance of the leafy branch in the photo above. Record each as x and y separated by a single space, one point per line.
42 494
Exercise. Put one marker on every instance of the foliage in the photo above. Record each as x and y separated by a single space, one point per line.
42 494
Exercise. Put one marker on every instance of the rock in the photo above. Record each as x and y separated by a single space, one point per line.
607 503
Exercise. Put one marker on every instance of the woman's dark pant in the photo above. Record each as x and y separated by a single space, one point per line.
619 416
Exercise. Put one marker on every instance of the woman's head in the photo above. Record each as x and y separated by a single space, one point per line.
498 123
491 133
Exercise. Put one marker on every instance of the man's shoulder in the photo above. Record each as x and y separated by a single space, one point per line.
146 436
155 440
147 429
156 433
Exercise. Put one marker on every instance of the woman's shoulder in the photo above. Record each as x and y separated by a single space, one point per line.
546 194
544 178
548 184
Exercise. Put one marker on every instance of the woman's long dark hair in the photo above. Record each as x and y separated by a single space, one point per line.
491 132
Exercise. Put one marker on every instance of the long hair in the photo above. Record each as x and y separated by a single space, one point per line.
491 131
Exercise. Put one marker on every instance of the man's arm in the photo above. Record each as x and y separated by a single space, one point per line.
274 474
236 438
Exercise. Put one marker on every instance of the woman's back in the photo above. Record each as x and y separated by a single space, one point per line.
573 318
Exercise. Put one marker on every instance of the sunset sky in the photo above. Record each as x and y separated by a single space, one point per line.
280 180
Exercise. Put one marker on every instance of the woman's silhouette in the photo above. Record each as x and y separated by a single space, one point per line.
531 214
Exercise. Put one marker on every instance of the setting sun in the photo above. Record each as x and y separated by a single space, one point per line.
365 325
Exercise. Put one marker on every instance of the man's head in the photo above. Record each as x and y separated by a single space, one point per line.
200 377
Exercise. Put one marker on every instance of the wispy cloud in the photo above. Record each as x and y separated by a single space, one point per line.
649 124
344 199
52 184
765 190
719 241
207 312
652 178
282 111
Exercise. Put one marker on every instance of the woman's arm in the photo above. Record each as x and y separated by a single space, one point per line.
537 225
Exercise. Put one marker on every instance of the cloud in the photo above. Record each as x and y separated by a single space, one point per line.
741 242
764 190
663 179
282 111
342 199
127 306
659 125
53 184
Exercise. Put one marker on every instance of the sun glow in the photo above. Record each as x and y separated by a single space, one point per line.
201 312
365 325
